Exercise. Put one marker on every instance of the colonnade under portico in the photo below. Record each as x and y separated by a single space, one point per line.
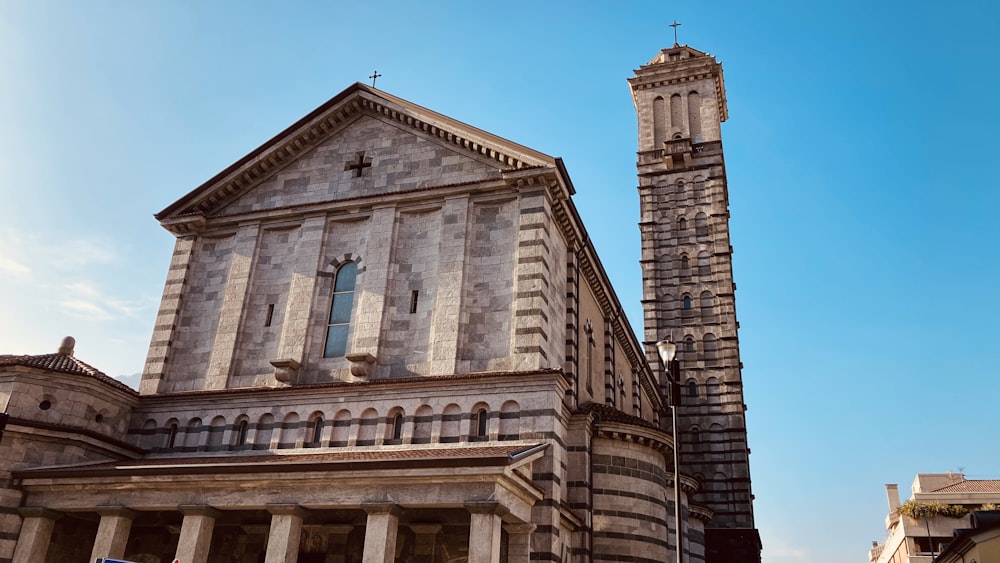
377 532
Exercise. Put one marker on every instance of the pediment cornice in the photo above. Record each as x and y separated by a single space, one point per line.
324 122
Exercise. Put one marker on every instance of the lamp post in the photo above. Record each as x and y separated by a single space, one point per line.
668 360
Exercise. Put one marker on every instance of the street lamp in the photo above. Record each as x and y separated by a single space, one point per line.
668 360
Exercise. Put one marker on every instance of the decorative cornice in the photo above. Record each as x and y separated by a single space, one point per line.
700 512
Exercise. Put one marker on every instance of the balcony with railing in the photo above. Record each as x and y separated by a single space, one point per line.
679 147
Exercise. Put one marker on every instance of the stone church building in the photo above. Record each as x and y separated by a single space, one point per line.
385 336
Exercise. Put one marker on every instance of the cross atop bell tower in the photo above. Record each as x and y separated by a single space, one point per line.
688 287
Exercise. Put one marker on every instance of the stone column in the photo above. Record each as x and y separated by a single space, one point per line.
196 533
112 532
36 531
426 542
286 531
484 532
519 542
380 533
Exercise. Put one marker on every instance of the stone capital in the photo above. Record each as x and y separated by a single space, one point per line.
381 508
519 528
39 512
286 510
198 510
486 507
119 511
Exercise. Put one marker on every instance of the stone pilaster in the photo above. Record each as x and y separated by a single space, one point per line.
10 519
285 533
380 533
36 532
484 532
532 292
112 532
302 283
196 533
370 297
448 303
519 542
233 301
166 317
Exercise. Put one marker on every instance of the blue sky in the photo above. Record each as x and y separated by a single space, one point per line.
859 149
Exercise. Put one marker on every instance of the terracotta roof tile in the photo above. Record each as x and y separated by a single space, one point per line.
972 486
62 363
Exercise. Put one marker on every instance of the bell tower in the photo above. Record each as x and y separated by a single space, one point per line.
688 288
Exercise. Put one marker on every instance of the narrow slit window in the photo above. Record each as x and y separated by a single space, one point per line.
414 296
171 436
397 427
340 311
317 433
481 423
241 433
270 314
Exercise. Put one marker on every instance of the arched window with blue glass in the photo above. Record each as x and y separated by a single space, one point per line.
340 311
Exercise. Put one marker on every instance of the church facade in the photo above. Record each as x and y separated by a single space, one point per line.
386 336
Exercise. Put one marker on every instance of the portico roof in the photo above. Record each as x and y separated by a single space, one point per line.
338 460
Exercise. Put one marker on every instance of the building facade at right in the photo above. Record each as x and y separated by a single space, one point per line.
941 504
688 287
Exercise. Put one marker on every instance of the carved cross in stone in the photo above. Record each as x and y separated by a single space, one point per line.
674 25
359 166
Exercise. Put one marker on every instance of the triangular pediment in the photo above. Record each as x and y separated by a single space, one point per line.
363 142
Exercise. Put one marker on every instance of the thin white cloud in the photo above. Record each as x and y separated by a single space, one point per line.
82 288
84 299
84 309
63 255
13 267
46 263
